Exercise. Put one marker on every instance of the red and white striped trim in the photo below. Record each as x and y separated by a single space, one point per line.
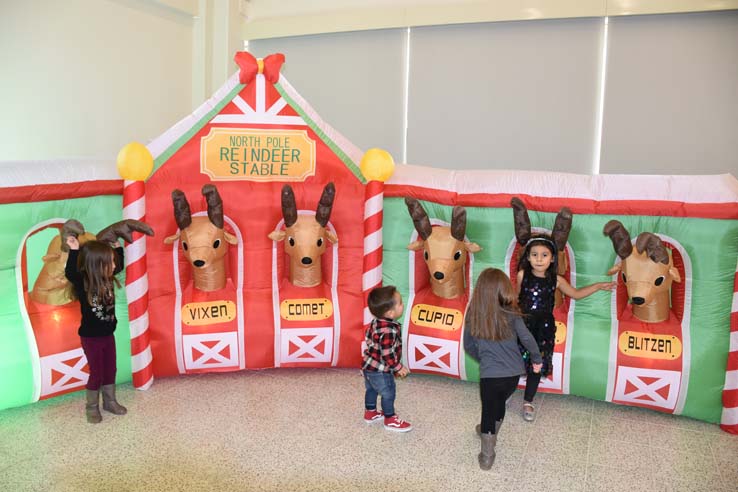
372 270
729 419
137 288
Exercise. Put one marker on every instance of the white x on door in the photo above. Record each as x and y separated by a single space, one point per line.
647 386
306 344
209 350
433 354
69 364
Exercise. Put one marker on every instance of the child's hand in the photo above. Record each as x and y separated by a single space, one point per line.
537 368
73 242
402 373
608 285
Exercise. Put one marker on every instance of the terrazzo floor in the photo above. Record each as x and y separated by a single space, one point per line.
302 429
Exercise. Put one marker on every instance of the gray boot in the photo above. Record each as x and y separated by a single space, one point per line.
109 402
487 456
92 408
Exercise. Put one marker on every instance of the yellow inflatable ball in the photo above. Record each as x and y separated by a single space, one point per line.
135 162
377 165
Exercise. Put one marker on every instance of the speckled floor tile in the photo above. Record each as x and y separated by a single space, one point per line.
565 404
302 429
620 429
608 479
623 455
677 439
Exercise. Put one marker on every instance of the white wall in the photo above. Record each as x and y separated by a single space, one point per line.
85 77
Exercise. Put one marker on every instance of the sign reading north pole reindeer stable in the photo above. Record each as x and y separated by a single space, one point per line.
257 155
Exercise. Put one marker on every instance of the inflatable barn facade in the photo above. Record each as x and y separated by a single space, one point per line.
267 238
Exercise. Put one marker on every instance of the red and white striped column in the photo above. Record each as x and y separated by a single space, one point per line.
137 287
372 272
729 420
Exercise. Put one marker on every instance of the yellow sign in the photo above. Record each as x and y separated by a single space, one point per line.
560 332
306 309
208 313
649 346
252 154
436 317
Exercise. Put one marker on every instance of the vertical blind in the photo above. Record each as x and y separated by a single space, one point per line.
507 95
671 96
355 81
527 94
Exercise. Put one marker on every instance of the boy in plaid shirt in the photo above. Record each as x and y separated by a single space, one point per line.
382 358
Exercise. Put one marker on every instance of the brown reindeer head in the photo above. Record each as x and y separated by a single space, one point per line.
559 235
305 236
444 249
203 238
646 272
51 286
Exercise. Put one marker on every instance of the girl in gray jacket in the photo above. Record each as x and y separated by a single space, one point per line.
492 329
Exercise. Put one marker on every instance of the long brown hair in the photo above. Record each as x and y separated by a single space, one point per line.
96 263
493 300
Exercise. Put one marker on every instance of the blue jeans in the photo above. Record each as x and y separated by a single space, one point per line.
383 384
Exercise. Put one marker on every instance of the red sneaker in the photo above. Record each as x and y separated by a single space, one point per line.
396 424
371 416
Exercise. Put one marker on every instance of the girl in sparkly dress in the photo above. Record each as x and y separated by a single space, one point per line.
536 284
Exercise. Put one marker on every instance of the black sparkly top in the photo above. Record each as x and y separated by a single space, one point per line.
536 294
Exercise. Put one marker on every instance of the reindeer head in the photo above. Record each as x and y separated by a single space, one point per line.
559 235
444 249
646 272
203 238
305 236
52 286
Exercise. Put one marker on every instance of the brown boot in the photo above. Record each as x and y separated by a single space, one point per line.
109 402
92 408
487 456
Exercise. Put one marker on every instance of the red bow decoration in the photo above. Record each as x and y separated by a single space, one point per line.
250 66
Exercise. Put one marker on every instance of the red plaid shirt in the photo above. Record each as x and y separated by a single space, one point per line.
383 346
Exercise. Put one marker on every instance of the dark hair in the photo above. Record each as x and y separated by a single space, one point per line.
524 263
96 263
381 300
491 304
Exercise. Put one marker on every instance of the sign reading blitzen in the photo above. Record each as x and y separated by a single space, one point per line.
253 154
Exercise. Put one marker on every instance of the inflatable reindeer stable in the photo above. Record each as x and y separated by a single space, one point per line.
559 235
444 249
203 239
305 236
647 272
51 286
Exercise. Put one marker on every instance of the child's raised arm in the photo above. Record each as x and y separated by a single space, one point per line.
70 269
566 288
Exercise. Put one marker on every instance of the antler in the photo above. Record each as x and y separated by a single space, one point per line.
420 218
123 229
325 205
458 223
182 215
620 238
289 206
521 220
562 227
70 228
215 205
652 245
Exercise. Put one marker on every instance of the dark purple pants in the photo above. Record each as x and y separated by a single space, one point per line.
100 353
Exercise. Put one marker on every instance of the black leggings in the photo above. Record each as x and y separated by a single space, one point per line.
494 392
531 386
